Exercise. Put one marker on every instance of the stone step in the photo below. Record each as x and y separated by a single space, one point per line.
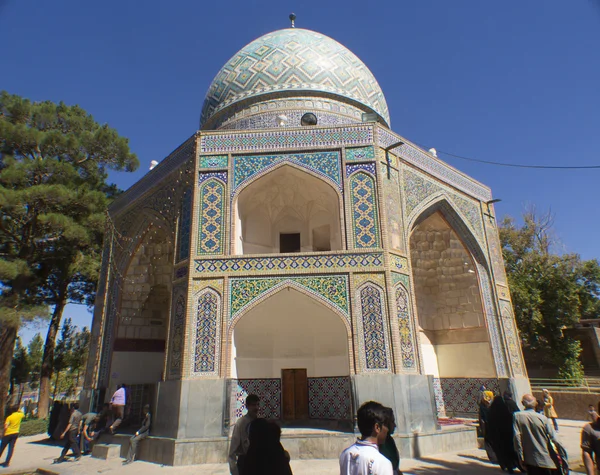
106 451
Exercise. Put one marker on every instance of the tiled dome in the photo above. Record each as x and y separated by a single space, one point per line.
293 60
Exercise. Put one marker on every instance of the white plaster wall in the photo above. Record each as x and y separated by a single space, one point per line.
465 360
131 367
290 330
430 359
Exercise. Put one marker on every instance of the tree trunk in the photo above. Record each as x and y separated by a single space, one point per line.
55 385
8 337
48 358
21 391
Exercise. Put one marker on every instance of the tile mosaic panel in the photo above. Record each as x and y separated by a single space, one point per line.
503 292
364 211
213 161
198 285
439 398
437 168
308 263
178 331
461 395
401 278
269 392
326 164
210 235
332 289
185 222
405 327
360 154
399 263
360 279
372 330
286 139
206 340
512 337
366 167
330 398
393 209
293 59
203 176
495 252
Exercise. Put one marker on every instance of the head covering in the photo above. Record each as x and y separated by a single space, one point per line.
488 396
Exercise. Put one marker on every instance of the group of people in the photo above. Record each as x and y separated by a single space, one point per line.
256 449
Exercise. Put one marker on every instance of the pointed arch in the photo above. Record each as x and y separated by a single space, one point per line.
211 221
365 216
206 329
372 329
408 347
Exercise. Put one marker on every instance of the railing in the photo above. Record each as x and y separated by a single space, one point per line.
589 385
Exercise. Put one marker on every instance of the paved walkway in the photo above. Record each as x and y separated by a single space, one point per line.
35 452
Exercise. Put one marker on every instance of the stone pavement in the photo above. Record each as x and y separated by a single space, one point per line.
35 452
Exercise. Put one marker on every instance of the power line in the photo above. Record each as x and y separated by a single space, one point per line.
518 165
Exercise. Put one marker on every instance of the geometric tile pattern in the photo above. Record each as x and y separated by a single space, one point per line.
329 262
269 392
326 164
207 329
293 59
461 395
436 168
407 340
367 167
203 176
331 288
512 338
286 139
373 328
403 278
495 252
364 211
393 209
439 398
185 221
399 263
330 398
212 161
360 154
210 236
178 333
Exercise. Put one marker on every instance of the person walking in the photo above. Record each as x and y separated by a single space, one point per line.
590 445
266 455
139 436
533 433
240 441
363 457
389 449
549 411
89 431
117 404
12 427
71 432
500 434
592 415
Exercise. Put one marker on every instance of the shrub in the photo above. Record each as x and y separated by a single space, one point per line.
33 427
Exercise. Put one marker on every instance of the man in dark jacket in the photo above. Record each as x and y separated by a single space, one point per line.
139 435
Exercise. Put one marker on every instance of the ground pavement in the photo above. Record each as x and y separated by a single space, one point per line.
35 452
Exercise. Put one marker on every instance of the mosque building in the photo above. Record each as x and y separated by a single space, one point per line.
297 248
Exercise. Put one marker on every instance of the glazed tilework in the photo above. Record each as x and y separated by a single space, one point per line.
503 292
269 392
393 209
326 164
203 176
513 341
360 279
293 59
360 154
332 289
437 168
399 263
365 167
405 327
178 330
181 272
269 120
364 211
439 398
461 395
285 139
330 398
402 278
213 161
210 234
301 263
372 328
495 252
208 310
185 221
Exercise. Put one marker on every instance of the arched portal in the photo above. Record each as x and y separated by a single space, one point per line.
287 210
293 351
451 316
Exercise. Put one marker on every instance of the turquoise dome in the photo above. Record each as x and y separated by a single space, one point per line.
294 60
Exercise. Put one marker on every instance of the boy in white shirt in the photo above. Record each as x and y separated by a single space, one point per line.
363 457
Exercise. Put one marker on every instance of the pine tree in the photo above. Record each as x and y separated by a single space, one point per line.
53 196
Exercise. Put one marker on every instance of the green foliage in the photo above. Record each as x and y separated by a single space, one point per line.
35 350
21 364
550 291
33 427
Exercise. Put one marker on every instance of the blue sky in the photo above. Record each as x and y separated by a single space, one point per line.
505 81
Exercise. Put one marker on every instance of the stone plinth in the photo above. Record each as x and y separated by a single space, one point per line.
106 451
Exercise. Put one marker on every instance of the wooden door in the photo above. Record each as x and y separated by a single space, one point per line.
294 394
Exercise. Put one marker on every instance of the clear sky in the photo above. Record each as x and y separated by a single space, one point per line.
510 81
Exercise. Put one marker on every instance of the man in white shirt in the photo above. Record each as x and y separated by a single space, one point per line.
240 440
117 404
363 457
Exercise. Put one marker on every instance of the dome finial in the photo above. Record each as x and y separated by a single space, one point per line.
293 19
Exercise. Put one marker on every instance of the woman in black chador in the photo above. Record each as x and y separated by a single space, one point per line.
501 435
